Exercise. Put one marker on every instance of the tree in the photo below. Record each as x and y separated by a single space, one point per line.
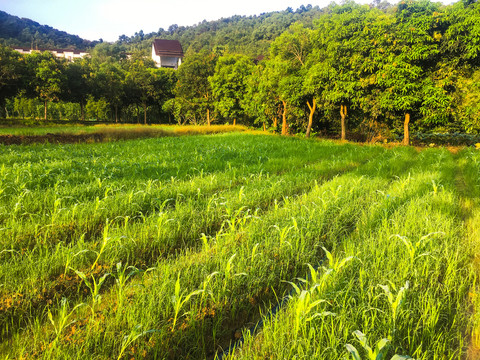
11 70
163 85
138 85
78 83
109 84
468 98
295 48
48 77
260 100
229 84
408 64
337 37
193 86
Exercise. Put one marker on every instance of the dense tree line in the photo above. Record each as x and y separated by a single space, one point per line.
105 87
364 70
369 71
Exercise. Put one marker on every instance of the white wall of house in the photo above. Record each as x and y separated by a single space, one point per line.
155 57
166 61
69 55
172 62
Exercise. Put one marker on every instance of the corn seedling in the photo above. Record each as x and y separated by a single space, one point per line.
395 301
94 286
336 264
372 354
105 241
414 246
71 256
180 299
62 319
121 278
129 339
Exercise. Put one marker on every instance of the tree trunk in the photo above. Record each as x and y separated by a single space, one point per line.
264 127
144 113
45 107
275 123
208 117
310 116
343 115
82 111
284 118
116 113
406 133
234 122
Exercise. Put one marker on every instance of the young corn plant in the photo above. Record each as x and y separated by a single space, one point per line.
94 286
121 278
229 274
336 265
106 240
205 285
304 305
235 218
71 256
395 301
180 299
378 353
413 247
62 320
129 339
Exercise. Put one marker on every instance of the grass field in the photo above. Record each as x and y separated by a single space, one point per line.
113 129
173 247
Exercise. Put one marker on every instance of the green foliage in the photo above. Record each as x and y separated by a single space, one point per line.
361 64
17 31
229 83
193 87
468 95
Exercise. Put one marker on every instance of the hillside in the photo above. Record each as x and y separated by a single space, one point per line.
25 32
249 35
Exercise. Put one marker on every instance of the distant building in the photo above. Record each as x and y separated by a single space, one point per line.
68 54
167 53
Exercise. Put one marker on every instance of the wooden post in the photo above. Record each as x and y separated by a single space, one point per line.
284 118
406 133
310 116
343 115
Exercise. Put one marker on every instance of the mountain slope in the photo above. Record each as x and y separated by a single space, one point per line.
28 33
249 35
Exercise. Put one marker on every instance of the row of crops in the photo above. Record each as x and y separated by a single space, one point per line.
173 248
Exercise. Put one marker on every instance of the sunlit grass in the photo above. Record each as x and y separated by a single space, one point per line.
171 247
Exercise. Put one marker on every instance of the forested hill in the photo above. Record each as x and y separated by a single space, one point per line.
249 35
15 31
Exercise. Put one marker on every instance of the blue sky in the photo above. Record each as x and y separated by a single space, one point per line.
108 19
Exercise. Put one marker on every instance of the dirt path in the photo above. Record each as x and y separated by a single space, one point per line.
71 138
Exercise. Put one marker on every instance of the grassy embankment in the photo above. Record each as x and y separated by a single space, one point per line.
169 248
64 134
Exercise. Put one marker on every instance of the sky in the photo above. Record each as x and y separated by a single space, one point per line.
108 19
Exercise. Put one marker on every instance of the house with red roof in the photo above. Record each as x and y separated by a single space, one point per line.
167 53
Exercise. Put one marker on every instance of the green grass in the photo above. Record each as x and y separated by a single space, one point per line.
169 248
112 130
